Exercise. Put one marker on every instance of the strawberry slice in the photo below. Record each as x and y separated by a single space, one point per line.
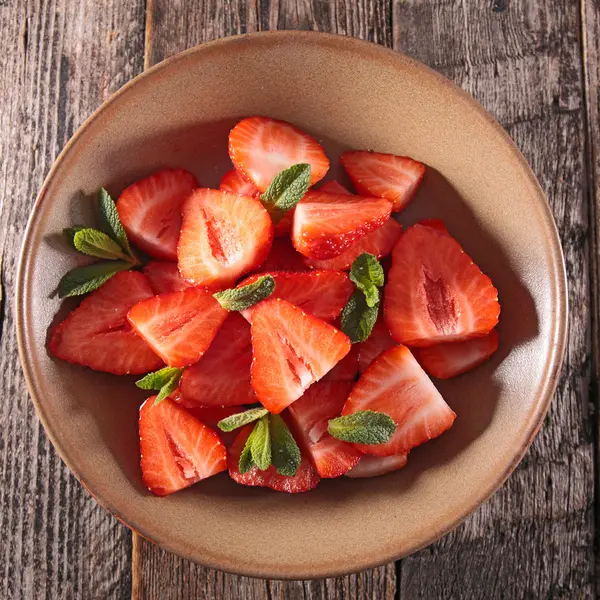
233 182
260 148
334 187
435 293
346 369
177 450
396 178
306 477
323 401
222 376
379 340
396 385
379 243
322 294
283 257
178 326
97 334
211 415
150 210
164 277
283 228
291 350
325 225
223 236
449 360
373 466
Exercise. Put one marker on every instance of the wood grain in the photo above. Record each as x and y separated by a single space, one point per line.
59 61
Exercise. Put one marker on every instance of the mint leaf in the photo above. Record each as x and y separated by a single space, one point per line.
367 274
285 454
240 419
358 318
286 190
71 231
82 280
244 297
96 243
246 462
110 222
261 444
363 427
164 380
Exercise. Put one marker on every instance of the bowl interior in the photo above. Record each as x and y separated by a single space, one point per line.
354 95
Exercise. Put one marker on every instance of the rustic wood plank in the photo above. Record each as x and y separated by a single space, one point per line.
60 60
522 61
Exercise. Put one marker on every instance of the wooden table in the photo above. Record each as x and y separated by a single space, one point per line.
534 65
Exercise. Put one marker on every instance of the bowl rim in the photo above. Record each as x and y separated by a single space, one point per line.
376 53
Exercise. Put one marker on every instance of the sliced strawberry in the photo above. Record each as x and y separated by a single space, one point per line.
396 385
306 477
379 340
323 401
396 178
283 228
233 182
150 210
291 350
164 277
322 294
283 257
177 449
373 466
223 236
435 293
222 376
379 243
449 360
346 369
178 326
97 334
435 224
325 225
334 187
260 148
211 415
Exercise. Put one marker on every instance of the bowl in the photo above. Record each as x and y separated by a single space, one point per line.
349 94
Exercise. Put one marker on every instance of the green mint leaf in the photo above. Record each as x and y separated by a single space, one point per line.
246 463
87 279
364 427
358 318
285 454
367 274
71 231
241 419
244 297
96 243
286 190
261 444
164 380
110 222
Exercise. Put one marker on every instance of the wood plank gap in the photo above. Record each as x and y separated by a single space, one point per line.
148 34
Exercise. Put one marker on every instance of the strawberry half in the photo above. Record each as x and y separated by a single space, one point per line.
325 225
223 236
373 466
379 340
222 376
178 326
283 228
346 369
260 148
322 294
150 210
211 415
97 334
334 187
291 350
233 182
311 413
396 385
306 477
282 257
396 178
449 360
435 293
177 450
164 277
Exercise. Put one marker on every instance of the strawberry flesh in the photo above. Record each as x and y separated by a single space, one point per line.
334 187
373 466
211 415
282 257
346 369
234 182
164 277
379 340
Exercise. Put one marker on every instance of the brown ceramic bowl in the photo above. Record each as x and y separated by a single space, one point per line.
349 94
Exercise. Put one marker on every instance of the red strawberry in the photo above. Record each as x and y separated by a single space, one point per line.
178 326
379 243
396 178
373 466
260 148
325 225
150 210
449 360
177 449
322 294
379 340
291 350
306 477
396 385
211 415
97 334
334 187
164 277
435 224
346 369
283 257
233 182
435 293
283 228
323 401
222 375
223 236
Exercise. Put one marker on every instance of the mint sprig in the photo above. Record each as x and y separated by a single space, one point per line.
83 280
110 223
285 454
363 427
286 190
96 243
367 275
165 381
240 419
241 298
261 444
